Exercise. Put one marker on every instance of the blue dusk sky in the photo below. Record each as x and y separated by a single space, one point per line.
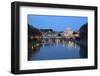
57 23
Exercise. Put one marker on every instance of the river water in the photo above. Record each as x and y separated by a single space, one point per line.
58 49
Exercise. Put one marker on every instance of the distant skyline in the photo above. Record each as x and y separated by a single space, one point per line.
57 23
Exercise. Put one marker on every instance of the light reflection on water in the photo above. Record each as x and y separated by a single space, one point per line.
57 49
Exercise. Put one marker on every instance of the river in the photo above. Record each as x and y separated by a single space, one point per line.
56 49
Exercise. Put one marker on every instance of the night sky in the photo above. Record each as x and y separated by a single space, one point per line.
57 23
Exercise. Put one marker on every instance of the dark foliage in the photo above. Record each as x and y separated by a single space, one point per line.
84 31
46 30
33 31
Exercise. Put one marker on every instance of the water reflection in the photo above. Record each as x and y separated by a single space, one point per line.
56 49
